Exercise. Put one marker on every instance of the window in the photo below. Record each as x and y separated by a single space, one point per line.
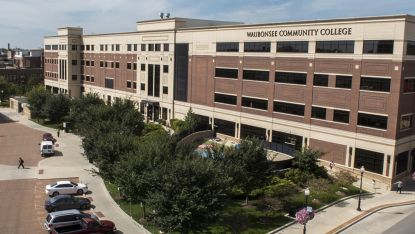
142 86
92 79
166 47
82 62
101 63
165 68
402 162
74 62
373 121
157 47
109 83
55 47
92 47
129 84
341 116
257 47
251 131
48 47
129 47
375 84
225 98
335 47
289 108
117 47
344 82
87 63
88 47
321 80
82 47
292 46
101 47
117 64
256 75
112 64
227 47
255 103
410 48
143 47
129 66
318 112
135 47
87 78
406 121
409 85
150 47
291 78
134 66
92 63
74 77
143 67
378 47
105 64
371 160
74 47
82 77
134 85
165 90
226 73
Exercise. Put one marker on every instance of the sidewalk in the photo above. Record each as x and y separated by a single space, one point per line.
342 213
74 164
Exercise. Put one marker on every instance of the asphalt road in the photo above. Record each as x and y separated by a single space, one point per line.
405 226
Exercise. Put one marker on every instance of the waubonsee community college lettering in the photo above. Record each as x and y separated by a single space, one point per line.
302 32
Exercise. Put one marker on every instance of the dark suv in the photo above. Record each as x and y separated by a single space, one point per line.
66 202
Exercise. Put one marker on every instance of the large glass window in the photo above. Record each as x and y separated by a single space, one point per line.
257 47
251 131
373 121
256 75
225 98
109 83
406 121
409 85
318 112
227 46
226 73
341 116
371 160
410 48
291 78
402 162
344 82
378 47
321 80
289 108
286 143
255 103
292 46
335 47
224 127
375 84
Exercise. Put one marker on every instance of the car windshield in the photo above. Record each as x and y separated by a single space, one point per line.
75 184
54 199
53 185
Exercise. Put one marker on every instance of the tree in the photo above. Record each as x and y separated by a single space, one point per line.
56 107
191 121
7 89
37 98
188 195
79 111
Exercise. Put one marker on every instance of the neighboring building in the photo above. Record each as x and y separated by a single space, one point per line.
345 86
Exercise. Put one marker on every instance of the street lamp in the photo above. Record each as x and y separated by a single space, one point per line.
362 170
306 193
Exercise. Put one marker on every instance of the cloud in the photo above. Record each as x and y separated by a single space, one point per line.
25 22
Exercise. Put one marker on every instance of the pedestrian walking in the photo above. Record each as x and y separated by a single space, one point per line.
59 131
400 185
331 165
21 161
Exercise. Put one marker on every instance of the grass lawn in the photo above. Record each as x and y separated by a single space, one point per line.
48 124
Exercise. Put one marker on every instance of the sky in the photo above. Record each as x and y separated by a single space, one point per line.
24 23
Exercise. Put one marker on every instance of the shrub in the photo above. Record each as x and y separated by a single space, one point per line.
298 176
345 178
319 185
280 188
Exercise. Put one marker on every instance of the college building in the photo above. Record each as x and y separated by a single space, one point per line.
344 86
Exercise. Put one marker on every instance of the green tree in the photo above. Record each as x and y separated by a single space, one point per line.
37 98
189 194
191 121
56 107
7 89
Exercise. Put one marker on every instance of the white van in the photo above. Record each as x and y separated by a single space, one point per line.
47 148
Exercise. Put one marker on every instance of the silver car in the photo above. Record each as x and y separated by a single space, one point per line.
65 187
65 218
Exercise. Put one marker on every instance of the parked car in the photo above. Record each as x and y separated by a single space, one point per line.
86 226
47 148
65 218
48 137
65 187
66 202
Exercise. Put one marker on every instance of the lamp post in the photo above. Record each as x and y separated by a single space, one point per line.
306 193
362 170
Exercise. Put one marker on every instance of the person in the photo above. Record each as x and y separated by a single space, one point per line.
20 163
400 185
331 165
59 131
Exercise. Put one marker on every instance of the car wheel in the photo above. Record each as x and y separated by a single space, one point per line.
80 192
54 194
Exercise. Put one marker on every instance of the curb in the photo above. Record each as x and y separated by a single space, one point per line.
318 210
366 214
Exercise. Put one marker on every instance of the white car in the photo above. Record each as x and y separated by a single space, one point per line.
65 187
